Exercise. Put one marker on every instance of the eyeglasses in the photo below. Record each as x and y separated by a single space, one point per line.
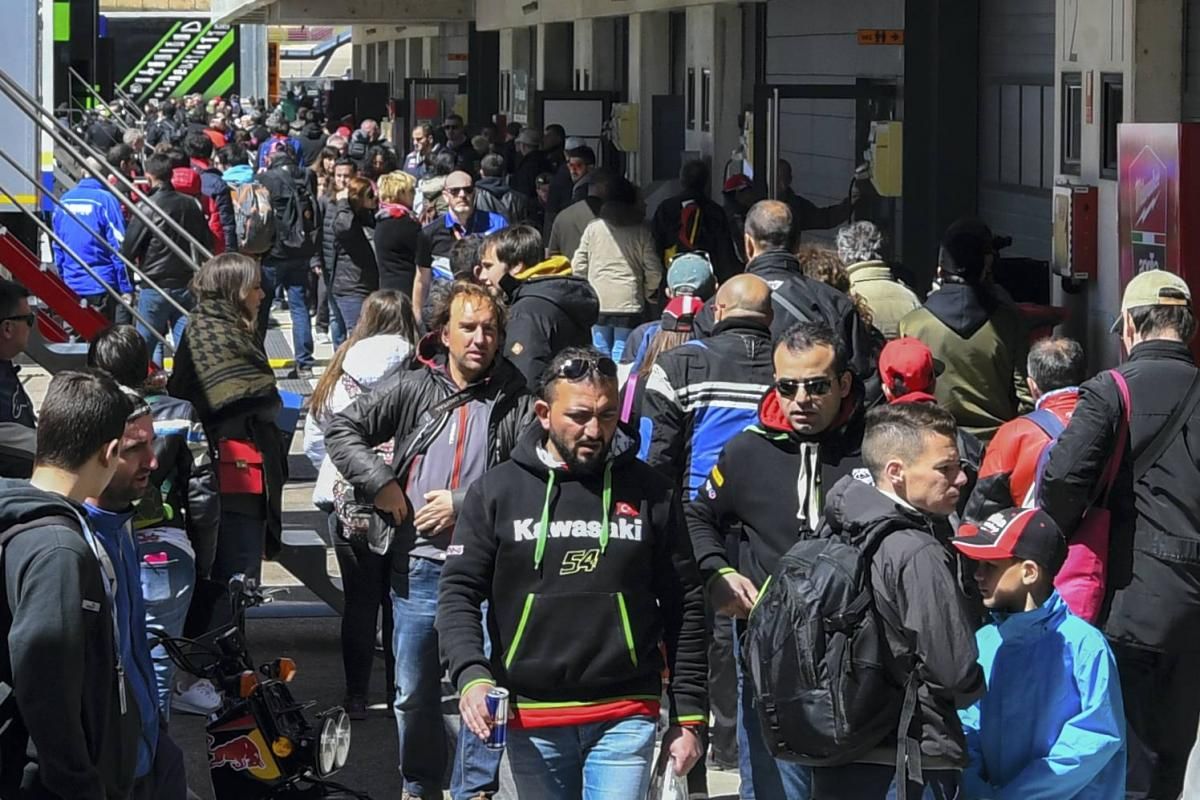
29 319
574 369
788 388
455 191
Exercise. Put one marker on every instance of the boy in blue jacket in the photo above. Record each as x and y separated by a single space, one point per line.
1051 724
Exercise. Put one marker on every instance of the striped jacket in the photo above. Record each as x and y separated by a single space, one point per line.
183 489
702 394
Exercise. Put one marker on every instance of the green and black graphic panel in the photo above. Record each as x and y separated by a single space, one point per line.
160 57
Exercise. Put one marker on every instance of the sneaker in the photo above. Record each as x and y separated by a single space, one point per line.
356 707
200 698
301 373
321 337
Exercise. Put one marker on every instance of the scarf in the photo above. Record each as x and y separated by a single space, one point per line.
220 361
392 211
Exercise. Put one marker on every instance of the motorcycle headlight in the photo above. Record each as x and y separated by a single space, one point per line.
333 745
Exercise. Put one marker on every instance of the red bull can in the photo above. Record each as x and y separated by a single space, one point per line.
497 706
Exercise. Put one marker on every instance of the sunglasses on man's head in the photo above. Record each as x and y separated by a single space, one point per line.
813 387
574 369
29 319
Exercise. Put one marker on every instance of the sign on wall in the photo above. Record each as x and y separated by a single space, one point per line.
163 58
1149 198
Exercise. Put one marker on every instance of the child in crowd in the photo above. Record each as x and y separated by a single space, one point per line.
1052 724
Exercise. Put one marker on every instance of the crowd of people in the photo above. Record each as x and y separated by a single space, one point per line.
854 543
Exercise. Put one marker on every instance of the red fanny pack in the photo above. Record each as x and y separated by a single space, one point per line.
239 467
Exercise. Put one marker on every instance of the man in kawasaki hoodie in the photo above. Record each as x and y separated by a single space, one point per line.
66 727
575 528
549 309
160 771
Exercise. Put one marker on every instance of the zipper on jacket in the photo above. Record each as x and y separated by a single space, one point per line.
626 626
512 651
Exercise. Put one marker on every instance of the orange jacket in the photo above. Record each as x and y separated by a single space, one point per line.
1018 443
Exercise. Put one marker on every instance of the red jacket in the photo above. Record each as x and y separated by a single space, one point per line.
1018 444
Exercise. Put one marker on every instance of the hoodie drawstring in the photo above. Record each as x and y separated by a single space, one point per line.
543 529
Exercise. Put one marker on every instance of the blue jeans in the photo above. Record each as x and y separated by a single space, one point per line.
764 777
877 782
349 308
167 585
163 317
292 277
610 340
418 704
600 761
476 768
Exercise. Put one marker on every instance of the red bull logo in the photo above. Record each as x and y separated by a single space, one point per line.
240 753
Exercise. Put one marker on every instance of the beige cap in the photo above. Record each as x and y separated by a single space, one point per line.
1155 287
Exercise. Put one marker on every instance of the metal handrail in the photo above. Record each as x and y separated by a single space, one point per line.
37 114
130 102
75 77
102 240
66 248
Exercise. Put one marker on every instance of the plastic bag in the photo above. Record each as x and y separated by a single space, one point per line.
666 785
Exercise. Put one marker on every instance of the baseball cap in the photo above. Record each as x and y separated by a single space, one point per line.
1024 533
680 313
909 361
736 183
692 273
1155 287
965 248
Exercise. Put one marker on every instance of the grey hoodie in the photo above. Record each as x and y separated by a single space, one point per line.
69 734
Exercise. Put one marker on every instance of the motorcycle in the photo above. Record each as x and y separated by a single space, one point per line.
261 744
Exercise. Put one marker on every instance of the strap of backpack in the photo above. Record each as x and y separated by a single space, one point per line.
1173 427
908 749
1052 426
790 307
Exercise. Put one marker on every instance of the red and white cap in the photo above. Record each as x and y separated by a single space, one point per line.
1024 533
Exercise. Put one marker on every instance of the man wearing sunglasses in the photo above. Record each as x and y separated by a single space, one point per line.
437 238
769 482
576 531
458 143
17 421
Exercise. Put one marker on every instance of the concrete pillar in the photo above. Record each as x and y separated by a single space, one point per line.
416 57
399 66
432 55
649 74
1158 60
595 46
714 55
359 61
555 62
253 46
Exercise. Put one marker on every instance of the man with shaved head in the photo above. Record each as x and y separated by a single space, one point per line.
701 394
437 239
797 298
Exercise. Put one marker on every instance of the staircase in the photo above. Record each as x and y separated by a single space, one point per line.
65 323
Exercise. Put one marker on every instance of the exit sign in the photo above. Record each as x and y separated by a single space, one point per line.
871 36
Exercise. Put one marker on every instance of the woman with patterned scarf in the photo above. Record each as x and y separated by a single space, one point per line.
223 370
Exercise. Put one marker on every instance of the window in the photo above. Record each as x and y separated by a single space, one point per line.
1072 122
1112 113
1016 135
691 98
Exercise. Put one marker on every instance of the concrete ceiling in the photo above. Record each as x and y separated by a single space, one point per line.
342 12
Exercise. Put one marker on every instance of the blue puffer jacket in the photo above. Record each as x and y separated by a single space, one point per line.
94 203
1052 724
112 529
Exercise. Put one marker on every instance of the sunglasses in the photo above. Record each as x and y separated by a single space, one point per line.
29 319
455 191
574 369
788 388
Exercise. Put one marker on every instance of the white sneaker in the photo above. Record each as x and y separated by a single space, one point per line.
200 698
322 338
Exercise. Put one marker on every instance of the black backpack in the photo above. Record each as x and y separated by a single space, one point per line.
295 210
826 685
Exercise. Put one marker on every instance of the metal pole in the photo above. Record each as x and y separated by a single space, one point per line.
67 249
103 240
36 114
